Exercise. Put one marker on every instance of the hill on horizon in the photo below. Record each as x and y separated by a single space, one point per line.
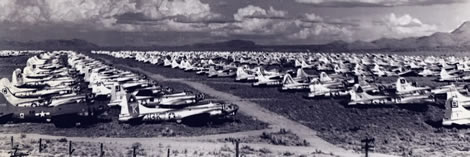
458 39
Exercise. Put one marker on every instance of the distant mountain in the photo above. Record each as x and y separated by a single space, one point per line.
73 44
226 44
459 39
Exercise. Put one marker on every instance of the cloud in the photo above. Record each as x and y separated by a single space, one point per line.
376 3
255 20
408 26
193 10
256 12
103 14
323 32
312 17
61 11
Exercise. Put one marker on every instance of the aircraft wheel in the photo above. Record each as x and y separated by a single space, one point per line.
200 96
312 95
382 101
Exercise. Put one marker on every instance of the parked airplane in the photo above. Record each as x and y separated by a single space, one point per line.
456 112
134 112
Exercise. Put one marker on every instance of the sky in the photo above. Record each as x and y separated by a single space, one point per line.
270 22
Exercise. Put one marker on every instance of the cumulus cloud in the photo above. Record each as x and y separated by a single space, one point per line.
312 17
255 20
323 32
61 11
102 14
376 3
251 11
153 17
194 10
407 25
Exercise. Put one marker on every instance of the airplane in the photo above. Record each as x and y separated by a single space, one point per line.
339 68
301 75
262 80
167 62
318 89
456 112
447 77
68 114
34 92
329 81
288 83
154 97
220 73
134 112
427 72
243 74
272 74
404 87
38 97
360 97
463 67
175 64
51 81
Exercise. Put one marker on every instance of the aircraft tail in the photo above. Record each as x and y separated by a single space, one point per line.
288 79
129 107
402 84
324 77
453 92
4 86
17 77
241 72
87 74
212 71
336 68
260 75
8 94
117 93
93 77
301 74
444 73
455 113
357 93
174 64
353 93
298 63
304 64
376 67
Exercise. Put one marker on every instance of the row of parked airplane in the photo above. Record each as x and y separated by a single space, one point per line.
68 88
10 53
337 75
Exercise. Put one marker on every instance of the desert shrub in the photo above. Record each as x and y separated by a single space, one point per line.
247 150
283 137
168 132
265 151
287 153
225 148
63 140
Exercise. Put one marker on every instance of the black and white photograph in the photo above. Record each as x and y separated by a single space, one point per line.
235 78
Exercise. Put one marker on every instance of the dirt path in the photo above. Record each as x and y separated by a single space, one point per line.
276 121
